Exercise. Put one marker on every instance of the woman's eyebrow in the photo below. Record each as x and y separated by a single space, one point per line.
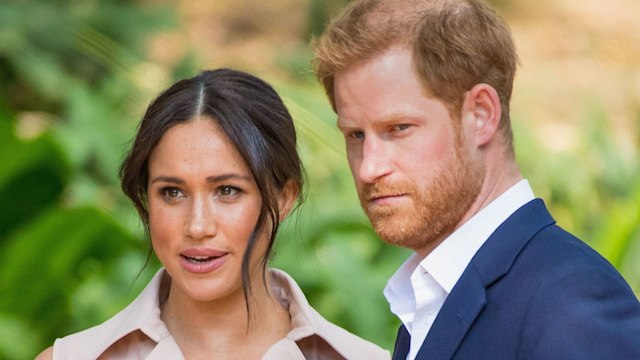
211 179
224 177
169 179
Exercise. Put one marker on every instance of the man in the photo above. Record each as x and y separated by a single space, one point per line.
422 91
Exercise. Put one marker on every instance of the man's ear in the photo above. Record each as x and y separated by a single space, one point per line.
481 112
287 198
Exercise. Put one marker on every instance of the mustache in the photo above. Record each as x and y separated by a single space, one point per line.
377 190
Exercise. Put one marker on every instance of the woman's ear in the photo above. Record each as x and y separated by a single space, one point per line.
287 198
481 113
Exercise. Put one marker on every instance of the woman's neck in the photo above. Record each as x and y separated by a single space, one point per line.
220 328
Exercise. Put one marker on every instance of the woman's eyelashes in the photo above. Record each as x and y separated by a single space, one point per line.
172 194
228 191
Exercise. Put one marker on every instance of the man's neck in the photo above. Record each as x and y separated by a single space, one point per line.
494 185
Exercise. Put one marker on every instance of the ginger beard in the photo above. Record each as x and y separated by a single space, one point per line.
436 209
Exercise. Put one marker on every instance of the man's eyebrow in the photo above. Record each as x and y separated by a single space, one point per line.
391 118
340 122
399 117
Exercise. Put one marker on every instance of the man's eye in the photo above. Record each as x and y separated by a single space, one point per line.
356 135
401 127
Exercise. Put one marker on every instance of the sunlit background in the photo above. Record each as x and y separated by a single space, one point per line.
76 76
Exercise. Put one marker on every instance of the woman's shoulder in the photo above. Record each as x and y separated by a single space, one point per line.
46 354
307 325
138 323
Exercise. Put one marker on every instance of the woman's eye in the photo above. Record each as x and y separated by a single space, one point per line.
171 193
227 191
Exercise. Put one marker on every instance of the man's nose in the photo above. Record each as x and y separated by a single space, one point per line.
376 160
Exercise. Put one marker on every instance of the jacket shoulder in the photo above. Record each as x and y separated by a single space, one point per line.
577 296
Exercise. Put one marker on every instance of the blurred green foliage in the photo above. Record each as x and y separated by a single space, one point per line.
72 248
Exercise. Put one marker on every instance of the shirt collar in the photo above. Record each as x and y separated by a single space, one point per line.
144 312
306 321
447 262
399 290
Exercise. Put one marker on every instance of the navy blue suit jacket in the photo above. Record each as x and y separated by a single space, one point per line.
534 291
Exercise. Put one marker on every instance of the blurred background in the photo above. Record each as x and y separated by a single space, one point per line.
76 76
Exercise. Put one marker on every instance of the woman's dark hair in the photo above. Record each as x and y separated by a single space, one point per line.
253 117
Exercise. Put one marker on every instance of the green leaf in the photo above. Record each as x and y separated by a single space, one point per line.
17 341
32 177
44 262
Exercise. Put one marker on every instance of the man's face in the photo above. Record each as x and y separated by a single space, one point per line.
414 175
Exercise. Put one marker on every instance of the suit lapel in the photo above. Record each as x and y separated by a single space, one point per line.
491 262
455 318
403 341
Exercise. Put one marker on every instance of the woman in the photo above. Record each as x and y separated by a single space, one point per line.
212 172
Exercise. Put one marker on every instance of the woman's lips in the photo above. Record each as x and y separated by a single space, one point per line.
203 252
201 261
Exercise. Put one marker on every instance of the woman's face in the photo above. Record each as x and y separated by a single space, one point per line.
203 207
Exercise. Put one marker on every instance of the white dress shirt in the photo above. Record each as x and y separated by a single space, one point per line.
419 287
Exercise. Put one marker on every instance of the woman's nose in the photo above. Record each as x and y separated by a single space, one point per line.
201 222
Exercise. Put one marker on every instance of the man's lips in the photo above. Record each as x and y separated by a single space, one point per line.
383 197
384 193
